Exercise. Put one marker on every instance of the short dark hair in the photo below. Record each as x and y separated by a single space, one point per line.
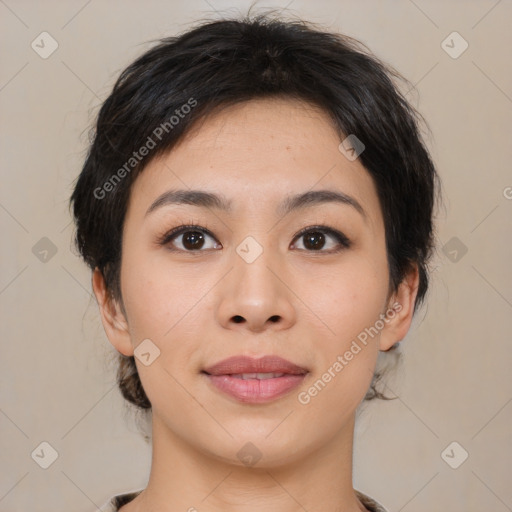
160 96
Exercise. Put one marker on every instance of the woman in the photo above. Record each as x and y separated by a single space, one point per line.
256 208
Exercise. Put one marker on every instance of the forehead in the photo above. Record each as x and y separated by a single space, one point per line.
254 153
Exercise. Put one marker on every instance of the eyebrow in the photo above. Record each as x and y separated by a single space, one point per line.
204 199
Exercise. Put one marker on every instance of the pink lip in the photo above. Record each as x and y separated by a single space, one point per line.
246 364
255 390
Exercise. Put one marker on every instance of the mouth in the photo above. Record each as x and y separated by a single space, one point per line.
250 380
258 376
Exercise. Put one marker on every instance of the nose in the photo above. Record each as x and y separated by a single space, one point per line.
255 296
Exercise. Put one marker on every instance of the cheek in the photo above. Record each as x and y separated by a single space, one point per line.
349 302
160 307
350 306
349 298
157 297
163 305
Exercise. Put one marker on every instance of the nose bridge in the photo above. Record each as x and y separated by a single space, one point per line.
252 270
255 283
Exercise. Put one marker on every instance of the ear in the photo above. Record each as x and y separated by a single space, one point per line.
400 309
113 319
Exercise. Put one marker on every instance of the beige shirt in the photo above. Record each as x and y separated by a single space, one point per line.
116 502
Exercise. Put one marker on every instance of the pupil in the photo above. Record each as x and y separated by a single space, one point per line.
193 240
314 240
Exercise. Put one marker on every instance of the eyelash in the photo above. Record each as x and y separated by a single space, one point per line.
344 242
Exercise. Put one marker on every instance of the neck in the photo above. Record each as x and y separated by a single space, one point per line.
186 478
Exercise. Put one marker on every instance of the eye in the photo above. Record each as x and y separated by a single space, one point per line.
194 238
188 238
315 239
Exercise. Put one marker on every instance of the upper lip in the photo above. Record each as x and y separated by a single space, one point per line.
247 364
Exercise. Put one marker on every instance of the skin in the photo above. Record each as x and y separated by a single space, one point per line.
254 153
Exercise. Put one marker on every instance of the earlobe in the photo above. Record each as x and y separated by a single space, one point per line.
400 310
113 319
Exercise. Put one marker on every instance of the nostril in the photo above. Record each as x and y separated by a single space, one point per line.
274 318
238 319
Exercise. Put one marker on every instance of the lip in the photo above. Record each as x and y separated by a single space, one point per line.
247 364
220 375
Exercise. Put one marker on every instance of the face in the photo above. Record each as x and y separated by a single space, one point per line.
302 280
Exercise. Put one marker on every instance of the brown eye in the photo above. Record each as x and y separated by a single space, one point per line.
192 240
189 239
322 239
314 240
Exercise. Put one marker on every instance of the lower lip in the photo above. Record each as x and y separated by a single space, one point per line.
255 391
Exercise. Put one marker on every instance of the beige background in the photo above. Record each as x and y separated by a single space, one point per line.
57 384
